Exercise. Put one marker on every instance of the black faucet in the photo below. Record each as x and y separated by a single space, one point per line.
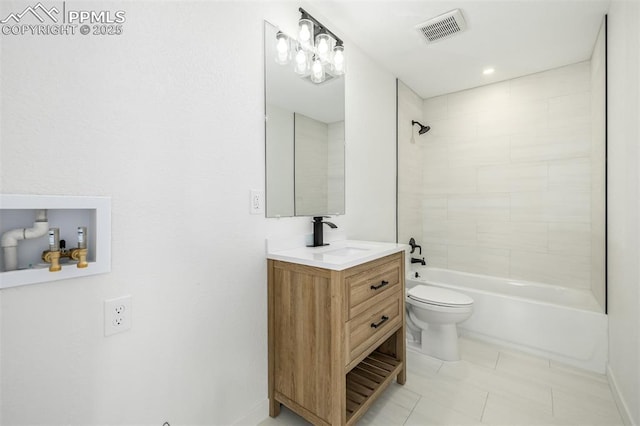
413 245
317 230
421 261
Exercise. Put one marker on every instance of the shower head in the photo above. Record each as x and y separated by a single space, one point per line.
423 129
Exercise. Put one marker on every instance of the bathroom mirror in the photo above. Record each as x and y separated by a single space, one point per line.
304 140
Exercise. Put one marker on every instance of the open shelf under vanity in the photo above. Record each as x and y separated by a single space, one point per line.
368 379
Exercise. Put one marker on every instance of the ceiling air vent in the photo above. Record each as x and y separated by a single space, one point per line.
442 26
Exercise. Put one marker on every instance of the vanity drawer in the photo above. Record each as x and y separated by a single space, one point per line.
378 278
372 324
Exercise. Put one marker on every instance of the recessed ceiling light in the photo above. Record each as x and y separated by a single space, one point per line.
488 71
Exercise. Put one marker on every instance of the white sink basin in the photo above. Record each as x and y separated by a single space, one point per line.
346 251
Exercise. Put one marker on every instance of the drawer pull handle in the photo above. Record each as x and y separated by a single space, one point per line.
382 284
379 323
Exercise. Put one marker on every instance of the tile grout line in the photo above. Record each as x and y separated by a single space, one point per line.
412 410
484 407
495 366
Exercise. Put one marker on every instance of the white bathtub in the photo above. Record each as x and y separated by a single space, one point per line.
562 324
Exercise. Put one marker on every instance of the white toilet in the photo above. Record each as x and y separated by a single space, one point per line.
433 315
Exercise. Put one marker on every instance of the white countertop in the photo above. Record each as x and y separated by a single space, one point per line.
337 256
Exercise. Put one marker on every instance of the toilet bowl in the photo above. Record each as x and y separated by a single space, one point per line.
433 314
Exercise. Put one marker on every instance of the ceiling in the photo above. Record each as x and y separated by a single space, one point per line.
517 38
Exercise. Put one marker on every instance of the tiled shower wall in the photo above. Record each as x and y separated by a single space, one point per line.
335 168
319 167
310 165
501 185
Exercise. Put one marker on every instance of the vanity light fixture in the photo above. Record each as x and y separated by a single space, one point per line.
338 60
317 70
324 46
305 33
302 64
283 48
318 54
488 71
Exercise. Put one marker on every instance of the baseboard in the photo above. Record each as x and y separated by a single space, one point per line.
620 402
256 415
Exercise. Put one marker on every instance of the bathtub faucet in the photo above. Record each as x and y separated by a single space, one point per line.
421 261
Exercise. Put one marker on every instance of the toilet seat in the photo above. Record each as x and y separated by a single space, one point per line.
439 296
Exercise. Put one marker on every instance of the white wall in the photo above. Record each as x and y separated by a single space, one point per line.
168 120
506 186
623 209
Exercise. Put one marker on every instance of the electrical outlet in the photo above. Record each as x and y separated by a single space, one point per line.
117 315
257 202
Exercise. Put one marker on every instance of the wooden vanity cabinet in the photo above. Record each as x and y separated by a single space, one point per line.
336 338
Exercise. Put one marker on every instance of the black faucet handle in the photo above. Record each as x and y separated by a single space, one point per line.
412 243
318 219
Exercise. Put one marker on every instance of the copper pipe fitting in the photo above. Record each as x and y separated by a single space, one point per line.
80 254
52 257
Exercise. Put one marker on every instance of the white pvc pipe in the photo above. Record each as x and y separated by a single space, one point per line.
9 240
10 258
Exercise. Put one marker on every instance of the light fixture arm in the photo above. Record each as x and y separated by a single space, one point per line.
319 28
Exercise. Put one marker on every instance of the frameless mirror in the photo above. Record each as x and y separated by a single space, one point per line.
304 138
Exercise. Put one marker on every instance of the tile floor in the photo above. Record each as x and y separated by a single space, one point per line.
490 386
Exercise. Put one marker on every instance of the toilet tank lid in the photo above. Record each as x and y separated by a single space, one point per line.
438 295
